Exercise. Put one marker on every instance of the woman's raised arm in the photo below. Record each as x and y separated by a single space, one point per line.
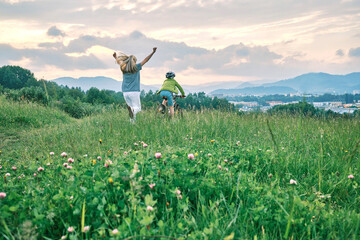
148 57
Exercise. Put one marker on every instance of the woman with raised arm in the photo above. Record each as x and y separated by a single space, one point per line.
131 80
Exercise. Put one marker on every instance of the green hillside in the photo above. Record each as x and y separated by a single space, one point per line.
220 175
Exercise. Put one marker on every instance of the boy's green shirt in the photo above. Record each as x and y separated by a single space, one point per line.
171 85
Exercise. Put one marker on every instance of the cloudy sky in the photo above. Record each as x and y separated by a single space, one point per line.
202 41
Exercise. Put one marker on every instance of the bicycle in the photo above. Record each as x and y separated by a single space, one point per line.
163 110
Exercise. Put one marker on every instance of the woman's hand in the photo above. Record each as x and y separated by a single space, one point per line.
148 57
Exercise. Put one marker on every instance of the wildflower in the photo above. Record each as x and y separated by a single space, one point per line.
237 143
225 160
125 152
86 228
219 167
19 177
136 144
100 141
99 158
35 174
158 155
0 167
52 153
178 192
71 197
2 195
63 154
40 169
65 164
292 181
209 154
152 185
111 180
70 229
63 237
145 145
13 168
140 178
191 156
196 154
93 161
70 160
150 208
191 138
115 231
107 163
85 155
48 164
180 196
135 170
7 174
351 176
69 167
226 169
212 140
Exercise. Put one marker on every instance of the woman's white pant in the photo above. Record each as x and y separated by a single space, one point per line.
132 99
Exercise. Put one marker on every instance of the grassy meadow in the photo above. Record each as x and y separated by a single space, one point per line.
210 175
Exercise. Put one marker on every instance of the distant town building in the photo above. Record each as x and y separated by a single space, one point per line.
342 110
327 104
274 103
248 104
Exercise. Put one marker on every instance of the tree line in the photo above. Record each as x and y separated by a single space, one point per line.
19 84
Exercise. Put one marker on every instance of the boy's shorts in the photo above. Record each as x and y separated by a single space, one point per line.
168 94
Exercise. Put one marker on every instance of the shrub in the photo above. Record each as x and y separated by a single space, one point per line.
78 109
303 108
31 94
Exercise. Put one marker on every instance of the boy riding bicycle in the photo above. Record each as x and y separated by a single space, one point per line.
169 87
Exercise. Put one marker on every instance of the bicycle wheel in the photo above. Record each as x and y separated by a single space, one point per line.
178 111
160 111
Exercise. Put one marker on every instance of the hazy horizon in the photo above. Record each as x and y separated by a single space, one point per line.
202 41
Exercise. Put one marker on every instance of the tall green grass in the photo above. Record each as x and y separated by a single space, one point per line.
249 197
23 115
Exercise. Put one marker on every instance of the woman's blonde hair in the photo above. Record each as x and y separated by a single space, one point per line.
127 63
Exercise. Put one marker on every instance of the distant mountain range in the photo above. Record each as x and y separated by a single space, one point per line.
319 83
307 83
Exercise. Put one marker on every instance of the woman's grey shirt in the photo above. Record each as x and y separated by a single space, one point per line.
131 81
